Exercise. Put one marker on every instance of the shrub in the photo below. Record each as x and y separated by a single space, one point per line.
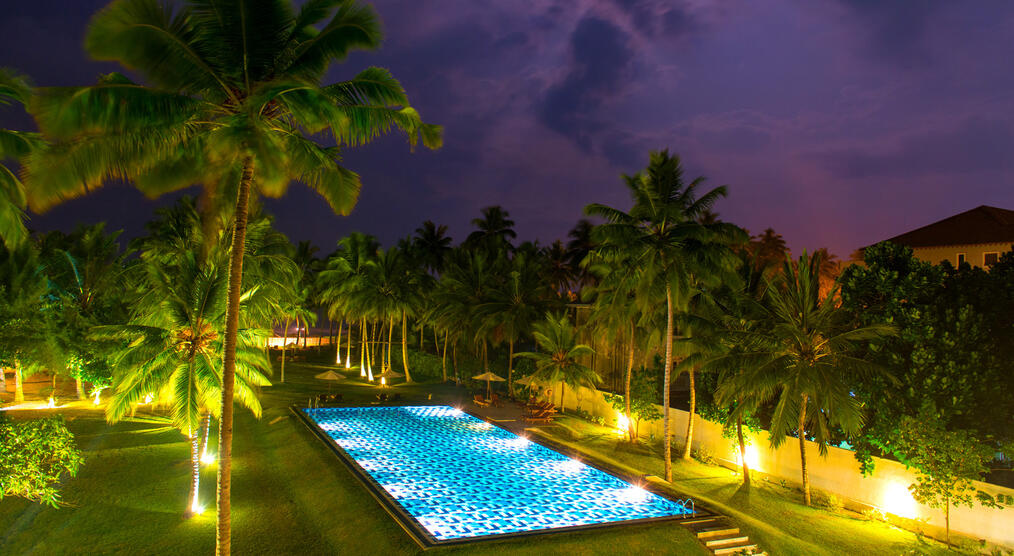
34 455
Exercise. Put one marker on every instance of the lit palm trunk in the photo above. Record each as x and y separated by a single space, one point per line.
690 417
348 349
802 451
338 346
404 345
195 479
19 390
626 389
666 432
285 340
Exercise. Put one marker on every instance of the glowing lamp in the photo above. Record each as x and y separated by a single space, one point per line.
752 457
898 500
383 381
97 397
52 402
207 458
622 424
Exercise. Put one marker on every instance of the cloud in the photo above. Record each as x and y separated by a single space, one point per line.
974 145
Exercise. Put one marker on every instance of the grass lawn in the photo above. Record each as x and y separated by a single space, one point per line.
771 514
290 494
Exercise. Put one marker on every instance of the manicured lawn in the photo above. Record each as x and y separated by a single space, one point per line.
771 514
290 494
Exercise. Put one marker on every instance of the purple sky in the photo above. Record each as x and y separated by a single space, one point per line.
837 122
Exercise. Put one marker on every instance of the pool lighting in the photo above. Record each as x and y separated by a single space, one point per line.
569 466
633 494
519 442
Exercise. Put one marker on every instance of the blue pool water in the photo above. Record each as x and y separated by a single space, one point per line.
460 477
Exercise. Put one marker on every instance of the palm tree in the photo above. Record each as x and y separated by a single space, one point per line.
14 145
433 245
801 357
84 269
234 94
558 358
24 323
515 306
495 230
172 352
662 236
559 271
581 244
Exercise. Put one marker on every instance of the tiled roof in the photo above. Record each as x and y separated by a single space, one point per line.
982 224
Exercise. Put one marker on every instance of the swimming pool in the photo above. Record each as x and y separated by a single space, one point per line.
456 478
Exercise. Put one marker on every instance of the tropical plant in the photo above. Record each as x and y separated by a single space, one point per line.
515 306
234 93
14 145
495 231
433 245
677 254
25 324
803 357
558 358
172 352
35 456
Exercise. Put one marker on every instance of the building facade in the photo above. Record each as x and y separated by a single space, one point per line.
977 237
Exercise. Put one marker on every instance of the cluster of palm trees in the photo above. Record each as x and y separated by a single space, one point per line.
231 100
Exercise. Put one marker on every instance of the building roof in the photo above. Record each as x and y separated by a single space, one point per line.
982 224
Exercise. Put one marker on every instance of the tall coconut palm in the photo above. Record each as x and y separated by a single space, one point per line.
24 319
172 353
515 306
14 145
802 358
234 103
558 358
661 235
495 230
433 245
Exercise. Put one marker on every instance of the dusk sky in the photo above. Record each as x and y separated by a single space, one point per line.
836 122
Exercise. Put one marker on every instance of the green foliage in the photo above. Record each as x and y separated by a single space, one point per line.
953 353
425 367
34 456
643 400
946 462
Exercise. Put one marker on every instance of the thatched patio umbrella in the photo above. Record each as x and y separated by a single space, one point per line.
329 376
489 378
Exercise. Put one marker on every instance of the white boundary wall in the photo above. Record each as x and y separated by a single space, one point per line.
838 473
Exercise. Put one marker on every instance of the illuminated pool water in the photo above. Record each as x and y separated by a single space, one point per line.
459 477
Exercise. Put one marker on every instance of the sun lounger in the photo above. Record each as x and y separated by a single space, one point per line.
480 401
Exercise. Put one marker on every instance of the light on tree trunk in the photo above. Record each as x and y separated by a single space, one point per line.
207 458
752 457
622 424
52 402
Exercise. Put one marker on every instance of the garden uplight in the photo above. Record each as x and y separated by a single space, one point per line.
622 424
208 458
752 457
898 500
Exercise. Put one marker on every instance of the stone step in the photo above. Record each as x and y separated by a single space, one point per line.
723 541
734 549
717 532
700 520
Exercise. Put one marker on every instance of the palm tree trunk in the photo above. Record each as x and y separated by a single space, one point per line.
285 340
742 450
362 347
422 335
223 532
3 380
802 451
443 360
454 357
510 367
195 475
19 388
348 348
947 520
80 388
690 418
485 356
338 346
370 356
373 347
563 390
390 340
404 345
626 389
666 382
205 433
436 341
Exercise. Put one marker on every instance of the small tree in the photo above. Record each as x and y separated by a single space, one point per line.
946 463
34 455
643 402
